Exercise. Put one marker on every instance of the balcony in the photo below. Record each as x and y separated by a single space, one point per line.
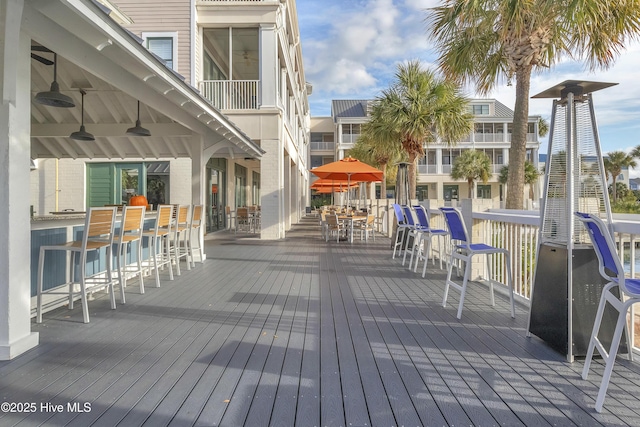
323 146
350 138
232 94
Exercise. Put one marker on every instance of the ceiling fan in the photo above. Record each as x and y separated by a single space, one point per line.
247 57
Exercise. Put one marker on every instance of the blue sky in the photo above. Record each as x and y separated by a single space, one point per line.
351 49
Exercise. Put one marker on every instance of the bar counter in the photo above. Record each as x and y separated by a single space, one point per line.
47 230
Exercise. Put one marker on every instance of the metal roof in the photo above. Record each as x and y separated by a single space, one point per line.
349 108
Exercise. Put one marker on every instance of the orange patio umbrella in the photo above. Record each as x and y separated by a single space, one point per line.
330 183
349 169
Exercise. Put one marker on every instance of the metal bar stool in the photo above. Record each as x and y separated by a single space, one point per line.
464 250
97 234
195 227
629 293
180 232
131 229
160 242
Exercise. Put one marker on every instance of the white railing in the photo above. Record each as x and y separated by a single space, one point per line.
427 169
235 1
488 137
323 146
531 137
350 138
231 94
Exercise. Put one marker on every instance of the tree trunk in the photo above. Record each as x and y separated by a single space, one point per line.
518 150
383 187
470 182
614 191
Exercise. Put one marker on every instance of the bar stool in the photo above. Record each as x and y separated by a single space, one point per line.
180 244
195 226
98 234
464 250
160 242
131 229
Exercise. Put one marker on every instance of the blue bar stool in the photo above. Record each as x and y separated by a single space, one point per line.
464 250
611 269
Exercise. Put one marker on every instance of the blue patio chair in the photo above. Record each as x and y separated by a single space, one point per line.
422 245
611 269
464 250
403 226
413 231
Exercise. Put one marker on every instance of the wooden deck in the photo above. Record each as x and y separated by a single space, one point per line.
306 333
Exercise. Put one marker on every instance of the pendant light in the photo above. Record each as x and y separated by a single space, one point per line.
82 134
138 130
53 97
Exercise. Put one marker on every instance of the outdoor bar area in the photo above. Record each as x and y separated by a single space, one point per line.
74 84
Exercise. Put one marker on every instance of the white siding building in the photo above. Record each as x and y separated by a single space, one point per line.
492 134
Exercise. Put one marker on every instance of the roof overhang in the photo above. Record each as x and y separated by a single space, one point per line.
96 54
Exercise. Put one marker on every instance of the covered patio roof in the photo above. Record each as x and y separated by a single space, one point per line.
98 56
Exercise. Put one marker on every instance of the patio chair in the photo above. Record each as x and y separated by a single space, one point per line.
131 229
423 243
368 226
323 224
193 234
629 290
413 230
463 250
403 227
159 242
97 235
334 226
180 237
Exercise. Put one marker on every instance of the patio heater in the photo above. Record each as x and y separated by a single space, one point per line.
567 284
402 184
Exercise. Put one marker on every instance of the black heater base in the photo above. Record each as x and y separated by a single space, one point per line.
549 302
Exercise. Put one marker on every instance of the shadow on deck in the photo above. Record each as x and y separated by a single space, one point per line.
303 332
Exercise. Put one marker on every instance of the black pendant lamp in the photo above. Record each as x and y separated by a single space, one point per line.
138 130
82 134
53 97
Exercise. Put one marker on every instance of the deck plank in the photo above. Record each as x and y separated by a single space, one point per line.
306 332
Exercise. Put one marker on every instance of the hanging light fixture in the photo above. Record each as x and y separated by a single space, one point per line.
53 97
138 130
82 134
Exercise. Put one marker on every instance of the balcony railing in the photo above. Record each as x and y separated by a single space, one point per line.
350 138
232 94
323 146
531 137
427 169
236 1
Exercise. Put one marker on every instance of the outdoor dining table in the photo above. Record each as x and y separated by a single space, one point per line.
350 221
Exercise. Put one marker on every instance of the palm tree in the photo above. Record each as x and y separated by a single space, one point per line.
486 41
472 165
378 153
531 176
614 163
419 108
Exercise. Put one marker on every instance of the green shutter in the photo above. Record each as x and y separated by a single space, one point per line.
100 184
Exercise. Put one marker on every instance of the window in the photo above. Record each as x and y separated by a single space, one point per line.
164 45
234 51
484 191
480 109
115 183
